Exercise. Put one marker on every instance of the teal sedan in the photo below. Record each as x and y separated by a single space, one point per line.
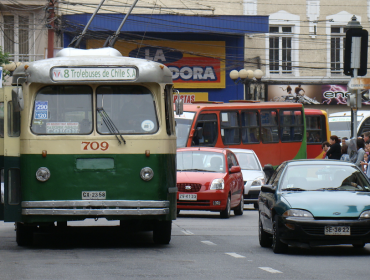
310 203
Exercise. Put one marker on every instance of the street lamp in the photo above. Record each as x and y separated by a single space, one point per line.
248 77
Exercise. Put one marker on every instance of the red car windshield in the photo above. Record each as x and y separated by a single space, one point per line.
200 161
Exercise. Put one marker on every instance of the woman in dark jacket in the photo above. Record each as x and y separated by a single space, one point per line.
335 151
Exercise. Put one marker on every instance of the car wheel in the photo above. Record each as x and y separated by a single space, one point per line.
24 234
358 246
277 246
255 205
238 211
226 213
264 238
162 232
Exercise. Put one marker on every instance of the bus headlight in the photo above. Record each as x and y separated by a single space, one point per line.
146 173
42 174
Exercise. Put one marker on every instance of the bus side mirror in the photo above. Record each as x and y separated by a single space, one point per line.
179 106
269 170
17 99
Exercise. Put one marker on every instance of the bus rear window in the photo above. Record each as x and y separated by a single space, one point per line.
63 110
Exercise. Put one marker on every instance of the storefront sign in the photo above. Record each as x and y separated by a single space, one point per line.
194 64
93 73
313 94
190 97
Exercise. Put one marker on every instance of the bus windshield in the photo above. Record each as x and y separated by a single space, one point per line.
131 109
183 125
63 110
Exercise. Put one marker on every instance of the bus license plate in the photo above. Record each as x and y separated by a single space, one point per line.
187 196
94 195
337 230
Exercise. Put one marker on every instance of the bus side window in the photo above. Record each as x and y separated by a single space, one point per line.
230 131
14 121
291 126
315 129
250 127
269 126
205 130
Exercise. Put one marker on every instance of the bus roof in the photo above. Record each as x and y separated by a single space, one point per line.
241 105
348 114
314 112
40 71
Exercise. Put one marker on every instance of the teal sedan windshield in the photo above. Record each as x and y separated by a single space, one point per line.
324 178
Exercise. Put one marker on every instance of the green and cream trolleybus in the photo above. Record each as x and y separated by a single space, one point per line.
88 134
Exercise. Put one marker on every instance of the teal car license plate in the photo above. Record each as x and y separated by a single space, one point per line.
337 230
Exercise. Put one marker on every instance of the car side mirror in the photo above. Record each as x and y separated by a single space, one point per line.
268 188
269 170
235 169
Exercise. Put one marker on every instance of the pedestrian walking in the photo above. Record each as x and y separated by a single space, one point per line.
360 151
325 147
345 155
335 151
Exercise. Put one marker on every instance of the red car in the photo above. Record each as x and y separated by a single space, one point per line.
209 179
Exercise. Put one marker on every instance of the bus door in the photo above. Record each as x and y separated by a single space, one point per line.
205 131
12 175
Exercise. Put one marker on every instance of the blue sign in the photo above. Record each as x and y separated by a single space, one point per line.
41 105
41 115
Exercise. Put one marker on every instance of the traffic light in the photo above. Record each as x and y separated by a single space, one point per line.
359 37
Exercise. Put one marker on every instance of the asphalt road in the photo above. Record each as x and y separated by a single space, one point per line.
203 246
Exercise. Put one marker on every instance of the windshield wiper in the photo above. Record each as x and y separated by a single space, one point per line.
328 189
110 125
294 189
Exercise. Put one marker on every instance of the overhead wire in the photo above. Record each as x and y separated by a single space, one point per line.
256 36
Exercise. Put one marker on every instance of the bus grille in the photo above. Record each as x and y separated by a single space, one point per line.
193 187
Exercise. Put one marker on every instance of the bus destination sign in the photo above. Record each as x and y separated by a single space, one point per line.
93 74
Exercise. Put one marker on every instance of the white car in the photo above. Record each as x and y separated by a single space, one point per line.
253 175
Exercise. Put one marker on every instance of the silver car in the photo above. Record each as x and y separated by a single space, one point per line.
253 175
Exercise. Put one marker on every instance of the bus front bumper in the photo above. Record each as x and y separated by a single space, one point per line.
95 208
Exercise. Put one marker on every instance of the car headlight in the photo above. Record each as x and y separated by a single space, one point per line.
146 173
217 184
258 182
297 213
365 215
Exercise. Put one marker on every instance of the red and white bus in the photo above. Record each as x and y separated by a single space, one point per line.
275 131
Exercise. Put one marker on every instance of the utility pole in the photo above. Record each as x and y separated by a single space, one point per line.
50 25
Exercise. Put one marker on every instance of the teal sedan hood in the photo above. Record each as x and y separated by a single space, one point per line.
326 203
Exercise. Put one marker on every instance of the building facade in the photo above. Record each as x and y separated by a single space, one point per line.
303 50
